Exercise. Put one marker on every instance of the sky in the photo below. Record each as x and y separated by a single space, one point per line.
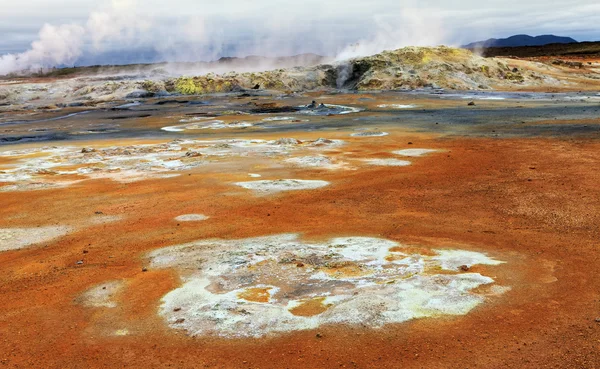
42 33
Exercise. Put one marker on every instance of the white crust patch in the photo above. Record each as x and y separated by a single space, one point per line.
388 162
101 295
281 185
19 238
397 106
191 218
414 153
259 286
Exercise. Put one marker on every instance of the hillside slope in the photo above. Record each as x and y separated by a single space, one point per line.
407 68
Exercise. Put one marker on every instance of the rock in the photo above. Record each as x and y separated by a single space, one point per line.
300 265
313 105
471 103
322 141
319 335
87 150
464 268
597 320
162 93
48 107
144 269
177 309
179 321
570 64
80 262
287 141
256 87
139 94
192 154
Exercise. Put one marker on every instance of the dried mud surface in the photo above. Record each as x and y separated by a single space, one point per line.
523 193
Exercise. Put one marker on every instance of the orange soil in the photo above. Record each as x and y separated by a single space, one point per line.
256 294
534 203
310 308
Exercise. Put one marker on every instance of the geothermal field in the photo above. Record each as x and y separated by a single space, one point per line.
419 208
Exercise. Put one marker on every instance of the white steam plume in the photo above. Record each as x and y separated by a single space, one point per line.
56 45
125 25
118 23
412 27
64 44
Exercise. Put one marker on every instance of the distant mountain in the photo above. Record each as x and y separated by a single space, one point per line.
521 40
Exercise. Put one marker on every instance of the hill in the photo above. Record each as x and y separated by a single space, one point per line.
521 40
583 50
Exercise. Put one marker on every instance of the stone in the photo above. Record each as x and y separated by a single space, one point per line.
192 154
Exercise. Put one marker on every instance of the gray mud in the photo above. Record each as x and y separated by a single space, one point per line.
508 117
